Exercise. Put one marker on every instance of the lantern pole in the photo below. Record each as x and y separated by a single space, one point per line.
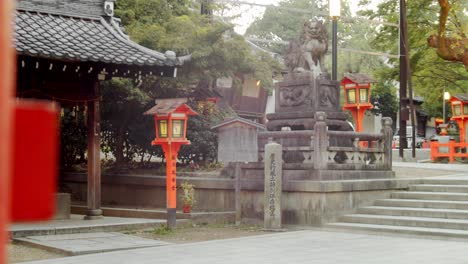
334 10
171 152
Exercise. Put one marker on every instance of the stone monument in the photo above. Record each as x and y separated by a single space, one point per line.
273 186
317 140
307 87
324 161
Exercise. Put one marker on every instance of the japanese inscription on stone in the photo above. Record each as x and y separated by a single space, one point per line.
273 186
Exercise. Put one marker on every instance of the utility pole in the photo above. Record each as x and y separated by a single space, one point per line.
404 113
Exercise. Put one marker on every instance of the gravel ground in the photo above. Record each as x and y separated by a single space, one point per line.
197 233
20 252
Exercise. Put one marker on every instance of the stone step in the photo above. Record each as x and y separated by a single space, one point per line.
400 230
439 188
428 222
415 212
446 181
460 205
431 196
76 224
195 217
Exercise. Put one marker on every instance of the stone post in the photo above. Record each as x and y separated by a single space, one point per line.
387 141
320 141
237 175
273 185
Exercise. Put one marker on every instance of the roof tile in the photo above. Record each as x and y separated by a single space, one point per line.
65 37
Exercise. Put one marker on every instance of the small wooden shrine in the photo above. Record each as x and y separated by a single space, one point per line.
65 48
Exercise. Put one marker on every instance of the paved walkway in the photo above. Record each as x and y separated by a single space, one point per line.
310 246
415 170
433 166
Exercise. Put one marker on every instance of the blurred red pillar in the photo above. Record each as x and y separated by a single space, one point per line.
7 57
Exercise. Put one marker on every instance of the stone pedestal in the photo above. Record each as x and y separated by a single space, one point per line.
300 96
273 186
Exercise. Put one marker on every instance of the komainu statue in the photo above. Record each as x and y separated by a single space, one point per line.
308 52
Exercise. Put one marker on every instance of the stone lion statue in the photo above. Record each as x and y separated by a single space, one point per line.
308 52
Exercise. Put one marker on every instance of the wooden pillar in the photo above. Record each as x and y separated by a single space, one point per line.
6 110
94 160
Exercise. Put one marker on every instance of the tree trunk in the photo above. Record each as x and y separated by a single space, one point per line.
119 145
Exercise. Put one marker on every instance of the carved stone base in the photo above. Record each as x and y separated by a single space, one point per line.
300 96
306 123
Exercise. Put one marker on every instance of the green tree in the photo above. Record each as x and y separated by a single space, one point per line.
216 52
73 137
430 74
285 24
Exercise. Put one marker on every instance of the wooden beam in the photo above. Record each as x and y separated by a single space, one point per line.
94 160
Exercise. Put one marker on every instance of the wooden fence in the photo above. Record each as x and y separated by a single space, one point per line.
454 150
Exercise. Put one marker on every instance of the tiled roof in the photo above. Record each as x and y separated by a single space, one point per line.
359 78
167 106
239 120
92 39
461 97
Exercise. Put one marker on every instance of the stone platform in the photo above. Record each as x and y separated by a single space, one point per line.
194 217
89 243
76 224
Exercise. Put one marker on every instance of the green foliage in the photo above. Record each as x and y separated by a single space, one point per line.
281 24
73 137
126 131
286 25
163 230
216 52
384 100
188 193
430 74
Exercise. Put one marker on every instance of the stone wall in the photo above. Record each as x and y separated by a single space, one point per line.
304 202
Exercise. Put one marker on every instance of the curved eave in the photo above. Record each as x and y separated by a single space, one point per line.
78 39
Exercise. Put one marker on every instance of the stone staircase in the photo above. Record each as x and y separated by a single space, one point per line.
438 207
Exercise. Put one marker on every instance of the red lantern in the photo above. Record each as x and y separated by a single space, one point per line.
170 117
357 96
459 103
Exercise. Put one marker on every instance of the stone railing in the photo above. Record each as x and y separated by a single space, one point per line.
366 152
334 150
